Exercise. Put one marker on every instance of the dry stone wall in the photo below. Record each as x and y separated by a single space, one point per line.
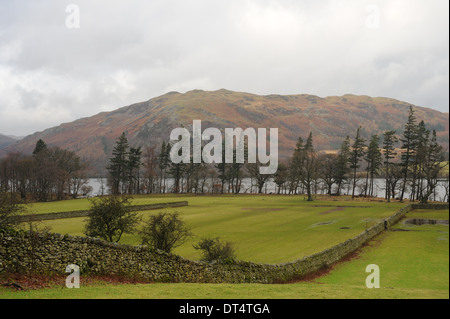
48 253
84 213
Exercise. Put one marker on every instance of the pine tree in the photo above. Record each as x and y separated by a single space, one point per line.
409 145
374 162
419 159
356 153
309 167
118 166
342 169
295 166
176 170
431 167
389 153
40 145
134 166
163 164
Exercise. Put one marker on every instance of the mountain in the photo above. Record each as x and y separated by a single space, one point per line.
6 140
330 119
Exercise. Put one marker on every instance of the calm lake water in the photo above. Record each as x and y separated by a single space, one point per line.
271 187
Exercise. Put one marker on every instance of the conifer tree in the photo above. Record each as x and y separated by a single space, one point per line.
118 166
374 162
309 167
389 153
356 153
431 167
409 145
342 168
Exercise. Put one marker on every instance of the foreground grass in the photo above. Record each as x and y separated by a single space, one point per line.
413 261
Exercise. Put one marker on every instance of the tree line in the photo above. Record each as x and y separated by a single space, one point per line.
49 173
411 164
412 161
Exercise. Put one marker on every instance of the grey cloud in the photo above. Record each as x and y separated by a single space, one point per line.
130 51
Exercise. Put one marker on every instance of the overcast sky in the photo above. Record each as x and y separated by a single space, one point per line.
59 62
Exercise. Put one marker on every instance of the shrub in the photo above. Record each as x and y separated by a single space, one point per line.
109 217
213 249
165 231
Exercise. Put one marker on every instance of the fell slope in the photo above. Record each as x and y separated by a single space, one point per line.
330 119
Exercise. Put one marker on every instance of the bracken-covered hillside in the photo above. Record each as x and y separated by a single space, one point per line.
330 119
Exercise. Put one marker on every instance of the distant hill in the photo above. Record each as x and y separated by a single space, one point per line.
330 119
6 141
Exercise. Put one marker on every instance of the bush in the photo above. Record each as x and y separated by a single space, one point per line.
110 217
165 231
213 249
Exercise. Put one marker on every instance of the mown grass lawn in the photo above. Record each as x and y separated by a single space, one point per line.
264 229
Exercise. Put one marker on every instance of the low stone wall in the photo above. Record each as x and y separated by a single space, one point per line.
430 206
84 213
46 253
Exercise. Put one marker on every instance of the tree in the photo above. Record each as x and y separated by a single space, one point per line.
163 164
118 166
222 169
356 153
423 135
165 231
389 153
374 161
295 166
342 168
281 176
40 145
176 171
261 179
109 217
326 170
150 172
309 167
409 140
134 165
432 166
213 249
44 173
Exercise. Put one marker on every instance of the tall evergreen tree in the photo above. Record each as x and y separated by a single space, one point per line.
431 167
176 171
356 154
134 166
163 164
295 166
40 145
342 168
118 166
309 167
374 162
409 146
389 153
419 158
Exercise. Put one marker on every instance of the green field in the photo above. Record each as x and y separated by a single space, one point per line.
265 229
413 260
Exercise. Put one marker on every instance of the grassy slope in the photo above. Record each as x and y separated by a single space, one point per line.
413 264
